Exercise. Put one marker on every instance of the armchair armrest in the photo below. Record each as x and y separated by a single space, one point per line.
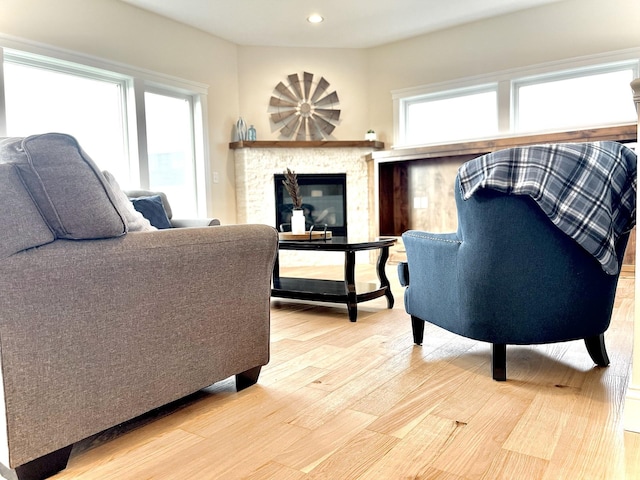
403 273
432 269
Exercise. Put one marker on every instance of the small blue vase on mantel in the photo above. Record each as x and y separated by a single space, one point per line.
252 135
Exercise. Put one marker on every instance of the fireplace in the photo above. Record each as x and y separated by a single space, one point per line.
324 201
256 164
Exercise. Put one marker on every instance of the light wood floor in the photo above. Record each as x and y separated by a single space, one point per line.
343 400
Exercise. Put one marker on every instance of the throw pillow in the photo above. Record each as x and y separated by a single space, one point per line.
135 220
21 224
153 210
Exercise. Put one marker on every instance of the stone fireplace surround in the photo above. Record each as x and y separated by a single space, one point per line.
257 162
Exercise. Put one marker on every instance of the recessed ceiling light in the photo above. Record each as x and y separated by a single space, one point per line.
315 18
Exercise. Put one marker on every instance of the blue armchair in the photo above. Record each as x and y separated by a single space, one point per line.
510 275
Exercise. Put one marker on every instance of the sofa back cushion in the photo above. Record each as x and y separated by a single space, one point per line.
21 225
68 188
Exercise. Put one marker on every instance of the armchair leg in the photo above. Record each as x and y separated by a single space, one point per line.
597 350
499 362
417 325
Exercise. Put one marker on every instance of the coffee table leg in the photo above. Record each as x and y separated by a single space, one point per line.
276 267
350 284
382 276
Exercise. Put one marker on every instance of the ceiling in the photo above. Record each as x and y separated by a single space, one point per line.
347 24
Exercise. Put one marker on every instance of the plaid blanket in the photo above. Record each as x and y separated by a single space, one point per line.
588 190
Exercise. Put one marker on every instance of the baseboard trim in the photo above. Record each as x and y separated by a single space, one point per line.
631 419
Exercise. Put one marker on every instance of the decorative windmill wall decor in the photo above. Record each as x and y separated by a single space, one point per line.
304 109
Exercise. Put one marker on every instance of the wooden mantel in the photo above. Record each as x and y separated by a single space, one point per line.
374 145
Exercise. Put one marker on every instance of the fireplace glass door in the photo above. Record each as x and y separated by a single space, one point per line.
324 201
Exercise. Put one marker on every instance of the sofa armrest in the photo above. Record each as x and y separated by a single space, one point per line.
194 222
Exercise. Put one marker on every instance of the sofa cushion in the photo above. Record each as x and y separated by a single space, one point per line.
69 190
21 225
136 222
153 210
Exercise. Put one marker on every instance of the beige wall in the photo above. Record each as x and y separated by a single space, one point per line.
241 79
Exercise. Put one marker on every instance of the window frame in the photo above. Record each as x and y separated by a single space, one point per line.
135 82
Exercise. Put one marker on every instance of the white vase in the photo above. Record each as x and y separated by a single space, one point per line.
241 130
297 222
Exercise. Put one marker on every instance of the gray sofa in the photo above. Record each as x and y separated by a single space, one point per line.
99 324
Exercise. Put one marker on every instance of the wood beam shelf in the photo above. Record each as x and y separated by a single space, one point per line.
375 145
618 133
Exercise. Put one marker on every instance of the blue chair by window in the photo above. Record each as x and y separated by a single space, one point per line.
541 235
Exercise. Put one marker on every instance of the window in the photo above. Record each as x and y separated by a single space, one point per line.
581 100
40 100
103 109
451 116
170 150
528 100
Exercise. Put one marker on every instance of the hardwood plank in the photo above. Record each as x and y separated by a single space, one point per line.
333 403
354 459
441 381
539 429
230 456
480 440
322 442
318 356
239 418
361 358
149 453
509 465
408 377
414 453
274 470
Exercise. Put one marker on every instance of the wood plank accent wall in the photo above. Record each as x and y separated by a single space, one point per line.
415 185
